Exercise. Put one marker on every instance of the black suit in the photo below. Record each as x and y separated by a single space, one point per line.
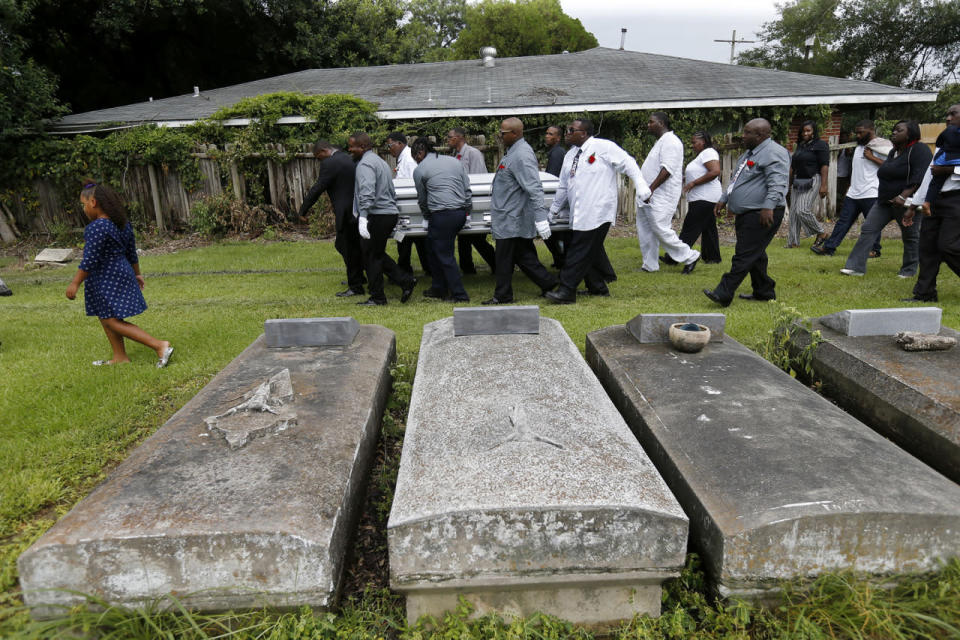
336 178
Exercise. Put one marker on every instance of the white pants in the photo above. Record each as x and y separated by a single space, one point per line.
654 230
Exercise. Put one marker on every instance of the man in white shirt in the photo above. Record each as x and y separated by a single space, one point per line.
940 231
868 155
662 170
588 185
397 145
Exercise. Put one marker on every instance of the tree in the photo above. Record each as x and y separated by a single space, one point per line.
27 91
433 27
520 28
911 43
124 51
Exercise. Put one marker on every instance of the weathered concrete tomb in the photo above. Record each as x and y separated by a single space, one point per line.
913 398
778 482
522 489
246 497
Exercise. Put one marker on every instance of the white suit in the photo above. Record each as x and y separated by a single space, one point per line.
654 218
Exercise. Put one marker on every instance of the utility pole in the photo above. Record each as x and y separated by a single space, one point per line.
733 44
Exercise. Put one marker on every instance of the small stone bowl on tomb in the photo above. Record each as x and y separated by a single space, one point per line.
689 337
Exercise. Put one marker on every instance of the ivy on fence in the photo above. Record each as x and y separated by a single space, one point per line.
111 155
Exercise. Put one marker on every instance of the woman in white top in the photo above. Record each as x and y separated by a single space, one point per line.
703 190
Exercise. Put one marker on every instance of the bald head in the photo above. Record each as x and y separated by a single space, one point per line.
755 132
761 126
511 130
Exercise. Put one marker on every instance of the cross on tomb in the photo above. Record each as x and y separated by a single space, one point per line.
521 431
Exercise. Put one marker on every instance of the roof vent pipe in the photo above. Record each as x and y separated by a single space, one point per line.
488 54
196 91
623 37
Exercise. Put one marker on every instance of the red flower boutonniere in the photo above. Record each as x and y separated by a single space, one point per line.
501 167
592 158
750 163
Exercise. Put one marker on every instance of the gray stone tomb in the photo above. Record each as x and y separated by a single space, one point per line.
522 489
778 482
913 398
246 497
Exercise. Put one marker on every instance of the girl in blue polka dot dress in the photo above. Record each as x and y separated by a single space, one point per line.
111 273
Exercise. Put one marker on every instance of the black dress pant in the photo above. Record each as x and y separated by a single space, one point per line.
939 242
466 243
347 244
442 231
750 256
376 259
586 260
405 249
523 253
701 221
557 243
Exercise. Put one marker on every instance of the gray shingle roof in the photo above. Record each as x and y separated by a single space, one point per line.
598 79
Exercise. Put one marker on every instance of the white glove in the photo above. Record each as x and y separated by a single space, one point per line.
426 223
364 232
543 228
644 195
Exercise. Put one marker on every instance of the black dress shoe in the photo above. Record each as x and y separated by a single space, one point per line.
457 299
433 293
666 259
408 291
713 296
918 299
370 302
562 296
750 296
688 268
543 292
496 300
348 293
602 294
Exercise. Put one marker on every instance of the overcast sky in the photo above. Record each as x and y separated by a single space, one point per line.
684 28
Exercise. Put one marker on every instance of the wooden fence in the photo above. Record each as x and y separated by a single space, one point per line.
159 197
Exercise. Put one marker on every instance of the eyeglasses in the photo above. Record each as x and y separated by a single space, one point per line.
572 130
503 133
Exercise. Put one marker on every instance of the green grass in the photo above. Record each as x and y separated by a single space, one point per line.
64 422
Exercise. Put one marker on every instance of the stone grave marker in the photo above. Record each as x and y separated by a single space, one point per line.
55 256
778 482
913 398
247 497
884 322
522 489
